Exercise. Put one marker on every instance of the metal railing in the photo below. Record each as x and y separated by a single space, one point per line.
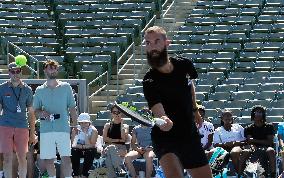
33 59
118 69
132 56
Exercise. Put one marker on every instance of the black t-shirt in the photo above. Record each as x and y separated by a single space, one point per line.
114 132
259 133
173 91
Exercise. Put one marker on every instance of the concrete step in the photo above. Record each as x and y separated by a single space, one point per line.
121 82
103 97
112 92
114 87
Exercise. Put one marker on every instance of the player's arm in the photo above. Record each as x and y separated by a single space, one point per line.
133 142
210 141
267 142
91 142
31 120
124 132
197 117
105 137
158 111
74 116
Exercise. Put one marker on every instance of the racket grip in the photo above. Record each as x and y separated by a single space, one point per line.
159 121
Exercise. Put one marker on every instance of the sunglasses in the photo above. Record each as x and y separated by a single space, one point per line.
116 112
15 71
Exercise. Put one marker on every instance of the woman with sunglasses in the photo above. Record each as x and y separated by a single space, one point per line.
115 134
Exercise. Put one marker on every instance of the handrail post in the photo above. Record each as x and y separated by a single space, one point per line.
134 67
8 51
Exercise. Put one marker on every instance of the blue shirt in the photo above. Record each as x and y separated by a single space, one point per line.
143 135
10 97
56 100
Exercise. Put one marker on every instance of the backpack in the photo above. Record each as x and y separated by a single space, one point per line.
218 162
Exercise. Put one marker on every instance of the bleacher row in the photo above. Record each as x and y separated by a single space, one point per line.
237 47
76 31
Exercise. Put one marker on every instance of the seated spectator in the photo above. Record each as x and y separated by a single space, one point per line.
114 135
230 137
84 139
206 130
141 144
260 135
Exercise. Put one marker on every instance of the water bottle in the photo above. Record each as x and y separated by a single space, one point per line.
160 173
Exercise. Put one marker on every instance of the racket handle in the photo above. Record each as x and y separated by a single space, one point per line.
159 121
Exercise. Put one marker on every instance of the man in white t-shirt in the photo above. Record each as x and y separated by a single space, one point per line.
206 130
230 137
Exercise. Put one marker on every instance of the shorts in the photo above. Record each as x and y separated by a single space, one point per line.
191 154
14 139
51 142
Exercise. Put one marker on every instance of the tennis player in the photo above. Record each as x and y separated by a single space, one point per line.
168 91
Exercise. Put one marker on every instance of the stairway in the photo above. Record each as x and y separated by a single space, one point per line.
174 18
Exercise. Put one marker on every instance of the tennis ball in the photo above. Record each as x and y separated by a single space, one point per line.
21 60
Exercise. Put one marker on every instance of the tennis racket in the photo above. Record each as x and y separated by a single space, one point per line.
144 119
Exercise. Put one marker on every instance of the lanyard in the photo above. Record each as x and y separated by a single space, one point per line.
17 97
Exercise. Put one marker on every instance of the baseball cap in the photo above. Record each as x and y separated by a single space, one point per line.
13 65
84 117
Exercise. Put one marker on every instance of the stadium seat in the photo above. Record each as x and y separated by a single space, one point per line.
134 90
237 103
249 87
264 65
220 96
227 88
264 103
104 115
242 95
271 87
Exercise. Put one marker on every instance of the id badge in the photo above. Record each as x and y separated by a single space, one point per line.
19 108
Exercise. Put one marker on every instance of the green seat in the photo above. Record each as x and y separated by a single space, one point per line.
227 88
248 56
249 87
236 103
242 95
220 66
220 96
225 57
264 65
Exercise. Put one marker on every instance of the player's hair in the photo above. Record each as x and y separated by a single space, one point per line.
156 29
260 108
52 63
223 113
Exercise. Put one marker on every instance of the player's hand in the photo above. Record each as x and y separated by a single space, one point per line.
44 114
250 141
168 125
32 139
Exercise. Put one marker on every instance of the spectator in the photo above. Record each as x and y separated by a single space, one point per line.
281 144
114 135
54 102
230 137
206 130
15 135
141 145
84 140
260 135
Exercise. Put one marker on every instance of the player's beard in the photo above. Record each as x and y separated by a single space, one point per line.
51 76
157 59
